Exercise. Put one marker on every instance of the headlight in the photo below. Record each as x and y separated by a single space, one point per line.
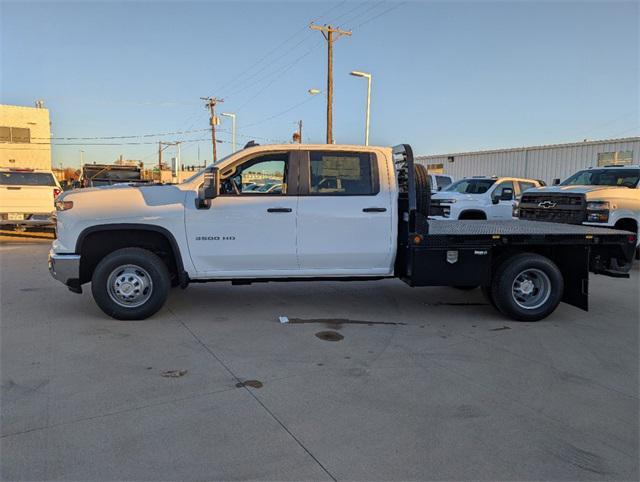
445 201
597 205
598 211
63 205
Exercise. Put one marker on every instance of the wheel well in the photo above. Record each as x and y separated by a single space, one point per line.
627 224
99 243
472 214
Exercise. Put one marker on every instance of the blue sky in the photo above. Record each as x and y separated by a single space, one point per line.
447 76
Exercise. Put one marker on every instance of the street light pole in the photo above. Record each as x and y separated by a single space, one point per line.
356 73
233 128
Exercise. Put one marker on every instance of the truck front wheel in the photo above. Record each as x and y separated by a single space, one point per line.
527 287
130 284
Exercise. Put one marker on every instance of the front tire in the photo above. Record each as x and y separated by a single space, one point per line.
130 284
527 287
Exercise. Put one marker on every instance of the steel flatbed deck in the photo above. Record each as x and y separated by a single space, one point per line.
516 227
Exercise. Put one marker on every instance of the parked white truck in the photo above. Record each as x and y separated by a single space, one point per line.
27 197
606 196
480 198
342 213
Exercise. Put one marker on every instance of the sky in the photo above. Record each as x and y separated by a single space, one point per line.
446 76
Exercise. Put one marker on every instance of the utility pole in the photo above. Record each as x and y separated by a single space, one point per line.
159 161
210 103
328 33
300 131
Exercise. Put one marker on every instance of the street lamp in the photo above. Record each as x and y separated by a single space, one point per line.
233 127
356 73
314 91
81 159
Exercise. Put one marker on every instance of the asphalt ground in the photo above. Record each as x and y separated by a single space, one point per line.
368 381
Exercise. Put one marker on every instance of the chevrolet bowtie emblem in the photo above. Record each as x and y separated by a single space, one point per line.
547 204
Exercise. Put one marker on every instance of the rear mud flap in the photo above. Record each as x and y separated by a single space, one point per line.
574 265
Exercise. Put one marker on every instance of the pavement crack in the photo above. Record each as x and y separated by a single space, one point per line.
252 394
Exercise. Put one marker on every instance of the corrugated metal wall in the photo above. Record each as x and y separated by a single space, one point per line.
540 162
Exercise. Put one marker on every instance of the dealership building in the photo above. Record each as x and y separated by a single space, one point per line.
549 162
25 134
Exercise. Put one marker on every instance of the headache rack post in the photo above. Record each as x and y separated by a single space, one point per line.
403 160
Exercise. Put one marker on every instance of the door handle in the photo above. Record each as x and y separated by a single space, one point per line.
374 210
14 188
279 210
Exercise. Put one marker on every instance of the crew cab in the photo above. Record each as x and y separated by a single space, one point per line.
606 196
342 213
27 197
480 198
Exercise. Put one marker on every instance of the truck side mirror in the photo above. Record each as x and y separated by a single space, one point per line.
209 189
556 181
507 194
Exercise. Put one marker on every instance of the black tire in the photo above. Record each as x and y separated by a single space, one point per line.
544 296
136 265
423 189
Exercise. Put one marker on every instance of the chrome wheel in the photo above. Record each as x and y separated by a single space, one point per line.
531 289
129 286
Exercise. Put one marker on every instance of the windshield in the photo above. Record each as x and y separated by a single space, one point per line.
604 177
471 186
20 178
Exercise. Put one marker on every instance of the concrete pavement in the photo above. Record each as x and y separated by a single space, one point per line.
426 384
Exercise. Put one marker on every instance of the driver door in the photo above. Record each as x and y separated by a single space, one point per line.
504 208
250 228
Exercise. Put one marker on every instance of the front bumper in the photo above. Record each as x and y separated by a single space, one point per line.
66 269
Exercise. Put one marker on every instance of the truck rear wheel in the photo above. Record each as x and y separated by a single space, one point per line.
130 284
527 287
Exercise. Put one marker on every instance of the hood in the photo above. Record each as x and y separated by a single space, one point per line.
572 189
458 196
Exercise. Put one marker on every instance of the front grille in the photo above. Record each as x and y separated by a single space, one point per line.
436 209
557 208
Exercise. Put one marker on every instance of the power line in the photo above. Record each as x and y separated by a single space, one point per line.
289 109
371 19
121 137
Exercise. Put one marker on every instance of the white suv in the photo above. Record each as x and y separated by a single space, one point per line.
480 198
27 197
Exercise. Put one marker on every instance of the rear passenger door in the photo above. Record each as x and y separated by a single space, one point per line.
344 214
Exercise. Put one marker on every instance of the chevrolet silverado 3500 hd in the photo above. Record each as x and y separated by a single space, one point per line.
341 213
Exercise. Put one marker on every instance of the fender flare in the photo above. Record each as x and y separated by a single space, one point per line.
183 277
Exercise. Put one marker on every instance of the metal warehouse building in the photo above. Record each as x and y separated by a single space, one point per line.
538 162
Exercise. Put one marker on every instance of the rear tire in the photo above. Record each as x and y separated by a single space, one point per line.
423 189
527 287
130 284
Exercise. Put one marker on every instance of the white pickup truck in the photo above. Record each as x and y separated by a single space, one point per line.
27 197
341 213
480 198
605 196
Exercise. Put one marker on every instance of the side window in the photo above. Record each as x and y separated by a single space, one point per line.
506 184
264 175
524 186
442 182
342 173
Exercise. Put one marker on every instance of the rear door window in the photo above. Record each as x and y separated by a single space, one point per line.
16 178
442 182
524 186
335 173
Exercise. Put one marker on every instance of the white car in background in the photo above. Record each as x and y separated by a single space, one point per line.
480 198
27 197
